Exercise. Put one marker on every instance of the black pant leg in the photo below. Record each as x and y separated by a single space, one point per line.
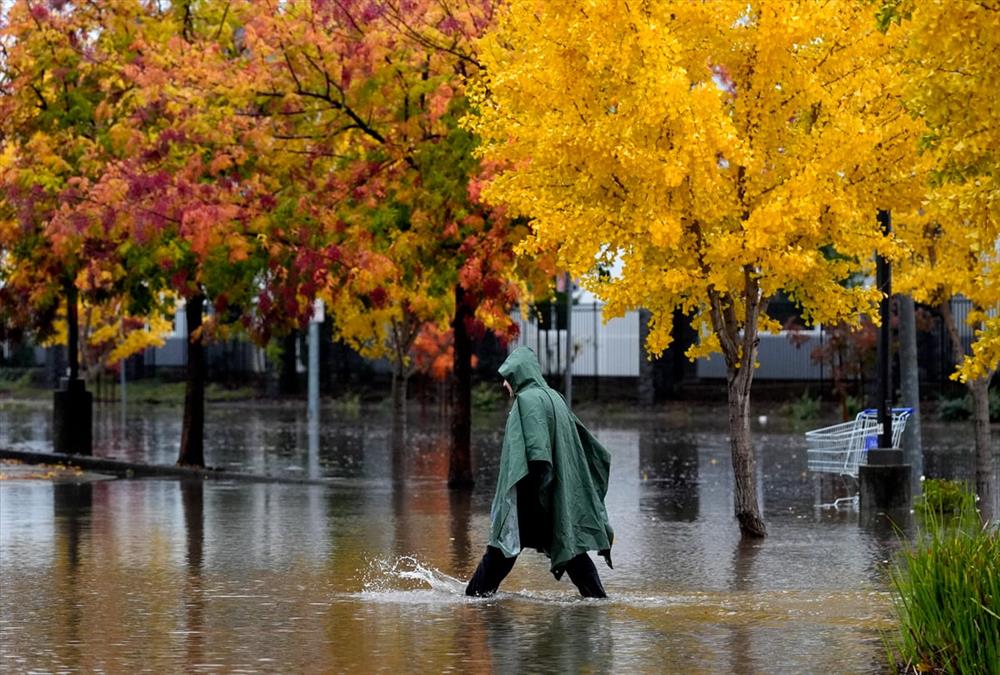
493 568
584 575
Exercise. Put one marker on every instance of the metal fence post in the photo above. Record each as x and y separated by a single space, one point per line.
569 341
597 358
313 387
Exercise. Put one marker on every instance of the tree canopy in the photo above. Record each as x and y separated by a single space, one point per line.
719 151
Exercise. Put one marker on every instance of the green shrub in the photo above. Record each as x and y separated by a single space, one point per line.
947 501
946 592
15 379
803 408
955 409
487 396
958 409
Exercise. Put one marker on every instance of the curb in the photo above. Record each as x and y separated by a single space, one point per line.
123 469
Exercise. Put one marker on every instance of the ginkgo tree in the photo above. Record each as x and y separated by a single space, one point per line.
720 151
951 51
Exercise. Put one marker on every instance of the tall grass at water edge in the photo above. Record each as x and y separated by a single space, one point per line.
946 591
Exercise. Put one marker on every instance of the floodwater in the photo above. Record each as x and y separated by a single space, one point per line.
367 574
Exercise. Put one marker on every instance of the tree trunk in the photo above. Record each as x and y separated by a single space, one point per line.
985 489
745 496
399 398
909 381
193 427
739 345
460 459
980 391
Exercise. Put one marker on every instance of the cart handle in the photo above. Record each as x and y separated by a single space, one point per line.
895 411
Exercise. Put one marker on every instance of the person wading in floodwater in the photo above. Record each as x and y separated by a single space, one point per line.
550 489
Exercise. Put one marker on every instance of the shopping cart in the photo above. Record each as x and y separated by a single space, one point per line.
839 449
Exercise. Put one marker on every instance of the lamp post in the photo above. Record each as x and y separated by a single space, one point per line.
884 480
883 279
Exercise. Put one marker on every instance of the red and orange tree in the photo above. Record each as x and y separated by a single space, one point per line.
252 156
201 191
363 101
63 104
128 177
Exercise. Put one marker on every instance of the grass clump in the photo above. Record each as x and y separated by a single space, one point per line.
946 589
348 404
947 502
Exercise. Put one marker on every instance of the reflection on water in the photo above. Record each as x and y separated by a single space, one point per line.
368 575
672 460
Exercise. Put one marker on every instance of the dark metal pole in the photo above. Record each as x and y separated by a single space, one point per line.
883 273
72 332
884 479
821 362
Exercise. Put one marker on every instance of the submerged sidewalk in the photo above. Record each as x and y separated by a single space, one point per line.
15 469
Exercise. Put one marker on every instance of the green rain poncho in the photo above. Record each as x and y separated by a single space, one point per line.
570 466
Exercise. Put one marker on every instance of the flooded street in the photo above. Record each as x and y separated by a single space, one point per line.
368 574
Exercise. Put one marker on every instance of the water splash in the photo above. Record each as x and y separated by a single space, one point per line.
407 579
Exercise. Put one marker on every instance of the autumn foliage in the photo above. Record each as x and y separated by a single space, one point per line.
720 152
423 165
258 154
248 158
951 50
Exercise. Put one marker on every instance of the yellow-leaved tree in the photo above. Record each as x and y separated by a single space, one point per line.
719 151
952 53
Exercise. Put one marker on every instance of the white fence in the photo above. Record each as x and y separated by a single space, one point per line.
598 349
779 358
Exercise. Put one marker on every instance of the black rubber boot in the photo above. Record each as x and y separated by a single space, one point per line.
584 575
493 568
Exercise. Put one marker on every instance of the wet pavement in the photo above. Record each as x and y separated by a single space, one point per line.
367 575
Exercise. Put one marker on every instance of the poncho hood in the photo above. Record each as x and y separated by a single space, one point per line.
542 432
521 370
